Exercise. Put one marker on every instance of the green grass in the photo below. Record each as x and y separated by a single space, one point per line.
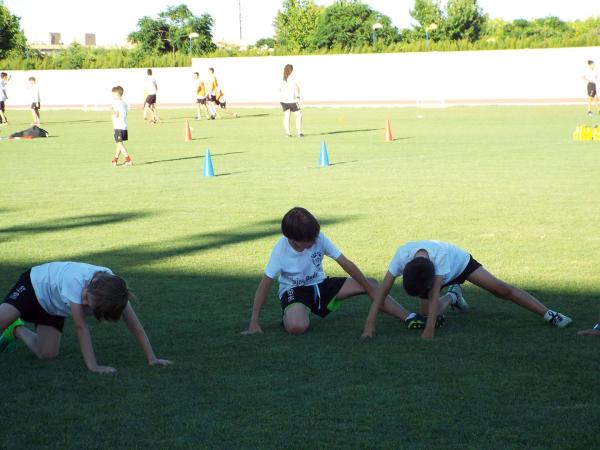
506 183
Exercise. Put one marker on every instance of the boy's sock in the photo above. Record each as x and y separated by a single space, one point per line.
8 336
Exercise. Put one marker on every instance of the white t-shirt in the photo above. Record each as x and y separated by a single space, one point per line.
120 121
591 75
449 260
3 96
58 284
33 92
151 86
288 90
299 268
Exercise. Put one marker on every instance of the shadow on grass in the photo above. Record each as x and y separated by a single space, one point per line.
183 158
249 116
69 223
346 131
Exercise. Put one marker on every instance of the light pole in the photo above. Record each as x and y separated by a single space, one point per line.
376 26
431 27
240 16
192 35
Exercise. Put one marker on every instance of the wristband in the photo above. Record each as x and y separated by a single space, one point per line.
597 326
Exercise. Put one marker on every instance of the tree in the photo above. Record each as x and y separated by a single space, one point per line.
464 20
170 31
265 43
296 23
349 23
12 38
426 12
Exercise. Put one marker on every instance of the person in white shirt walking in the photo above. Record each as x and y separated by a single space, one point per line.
4 79
33 92
591 78
119 119
151 89
290 100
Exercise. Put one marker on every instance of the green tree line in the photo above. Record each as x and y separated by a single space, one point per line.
303 27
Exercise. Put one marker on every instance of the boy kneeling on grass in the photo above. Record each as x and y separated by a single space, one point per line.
44 295
429 266
303 287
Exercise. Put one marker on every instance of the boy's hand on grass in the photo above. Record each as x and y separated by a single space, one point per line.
591 332
105 369
368 332
253 329
160 362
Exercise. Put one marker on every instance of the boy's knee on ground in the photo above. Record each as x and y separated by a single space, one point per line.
296 319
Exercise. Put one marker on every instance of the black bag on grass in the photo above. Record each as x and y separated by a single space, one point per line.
33 132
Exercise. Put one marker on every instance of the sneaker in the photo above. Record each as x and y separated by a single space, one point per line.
7 338
458 301
114 162
300 135
557 319
288 135
590 113
416 322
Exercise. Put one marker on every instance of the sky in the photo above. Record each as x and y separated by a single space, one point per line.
113 20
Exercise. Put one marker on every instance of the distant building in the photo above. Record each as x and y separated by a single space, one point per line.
59 41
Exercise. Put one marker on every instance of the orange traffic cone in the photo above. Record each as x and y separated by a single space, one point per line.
388 132
187 132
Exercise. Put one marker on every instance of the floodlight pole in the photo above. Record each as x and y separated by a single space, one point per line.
240 16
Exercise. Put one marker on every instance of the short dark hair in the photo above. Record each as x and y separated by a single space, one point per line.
3 75
31 79
110 294
417 277
590 62
300 225
196 73
149 71
212 70
118 89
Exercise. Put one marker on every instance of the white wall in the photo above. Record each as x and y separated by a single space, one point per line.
505 76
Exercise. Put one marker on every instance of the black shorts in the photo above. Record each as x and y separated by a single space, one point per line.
151 99
222 104
121 136
211 98
293 107
2 106
202 100
36 106
472 266
22 296
591 90
317 298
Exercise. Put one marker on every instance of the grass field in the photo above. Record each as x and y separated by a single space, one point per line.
506 183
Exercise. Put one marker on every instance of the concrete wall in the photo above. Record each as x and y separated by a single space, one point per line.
484 77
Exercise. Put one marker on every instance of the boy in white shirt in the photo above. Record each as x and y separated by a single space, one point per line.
46 294
119 119
591 78
429 266
4 79
151 88
33 92
303 287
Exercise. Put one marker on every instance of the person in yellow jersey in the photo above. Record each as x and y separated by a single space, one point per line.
200 92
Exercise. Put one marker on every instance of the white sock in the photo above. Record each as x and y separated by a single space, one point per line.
410 316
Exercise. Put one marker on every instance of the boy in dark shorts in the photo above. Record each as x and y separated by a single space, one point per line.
4 79
429 266
303 287
33 92
119 118
151 89
44 295
591 78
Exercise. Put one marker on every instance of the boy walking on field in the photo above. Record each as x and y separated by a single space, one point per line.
44 295
119 118
4 79
303 287
33 91
429 266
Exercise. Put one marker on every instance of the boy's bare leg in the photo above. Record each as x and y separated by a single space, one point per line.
299 122
501 289
121 148
296 318
443 304
286 122
8 314
390 306
45 344
3 118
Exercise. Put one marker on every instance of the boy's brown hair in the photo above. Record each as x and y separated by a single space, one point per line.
300 225
118 89
31 79
110 294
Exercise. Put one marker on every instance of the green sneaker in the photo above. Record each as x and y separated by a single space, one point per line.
7 338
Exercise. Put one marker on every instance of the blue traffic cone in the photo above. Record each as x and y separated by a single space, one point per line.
207 169
323 157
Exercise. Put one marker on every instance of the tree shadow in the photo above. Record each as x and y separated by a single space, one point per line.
325 133
183 158
68 223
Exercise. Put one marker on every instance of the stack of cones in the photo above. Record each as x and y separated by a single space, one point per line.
187 132
388 137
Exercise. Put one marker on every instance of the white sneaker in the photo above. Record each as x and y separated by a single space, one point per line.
458 301
557 319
